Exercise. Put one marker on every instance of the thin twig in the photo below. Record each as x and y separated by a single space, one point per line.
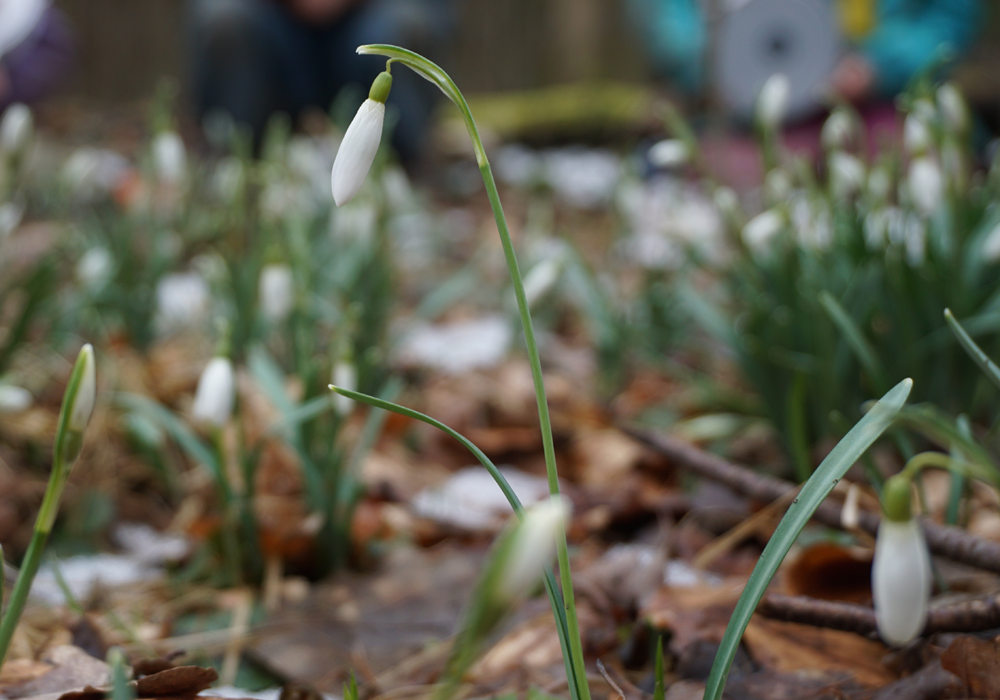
950 542
604 672
974 615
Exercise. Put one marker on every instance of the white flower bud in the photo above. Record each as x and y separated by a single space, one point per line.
761 230
991 245
14 399
533 547
86 393
95 267
16 129
357 151
276 290
772 102
847 174
213 401
777 185
838 130
345 375
953 109
916 135
182 298
669 153
169 158
926 185
541 278
901 580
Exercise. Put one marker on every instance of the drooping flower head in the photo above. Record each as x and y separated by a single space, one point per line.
360 143
901 570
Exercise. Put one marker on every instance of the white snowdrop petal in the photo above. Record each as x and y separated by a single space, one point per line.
213 400
772 102
901 581
926 185
345 375
533 547
83 403
276 290
669 153
357 151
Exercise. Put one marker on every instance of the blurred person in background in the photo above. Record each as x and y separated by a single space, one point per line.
889 41
253 58
36 50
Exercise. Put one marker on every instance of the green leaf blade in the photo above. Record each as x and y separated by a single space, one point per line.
826 476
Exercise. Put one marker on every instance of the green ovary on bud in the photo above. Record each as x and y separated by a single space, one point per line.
896 498
380 87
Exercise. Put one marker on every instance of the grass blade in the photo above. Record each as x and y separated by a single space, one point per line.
859 345
975 352
826 476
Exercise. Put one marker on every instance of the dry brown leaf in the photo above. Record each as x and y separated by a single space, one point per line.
787 647
830 572
604 457
180 681
977 663
71 668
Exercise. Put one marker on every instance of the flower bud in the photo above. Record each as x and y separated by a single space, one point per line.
669 153
82 405
533 547
345 375
541 278
95 267
16 130
772 102
761 230
14 399
276 290
916 135
847 174
901 569
953 108
213 401
360 144
926 185
169 158
838 130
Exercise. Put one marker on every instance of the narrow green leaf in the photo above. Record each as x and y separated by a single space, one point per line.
551 587
826 476
659 689
974 351
855 339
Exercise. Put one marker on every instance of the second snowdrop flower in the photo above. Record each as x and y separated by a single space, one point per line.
357 150
213 401
901 570
772 102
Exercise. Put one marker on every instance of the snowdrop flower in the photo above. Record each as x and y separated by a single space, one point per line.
213 401
953 109
14 399
991 245
838 130
181 299
83 403
926 185
761 230
357 150
847 174
915 240
95 267
169 158
777 185
345 375
541 278
532 547
276 290
772 102
16 129
669 153
916 135
901 570
11 214
726 201
228 179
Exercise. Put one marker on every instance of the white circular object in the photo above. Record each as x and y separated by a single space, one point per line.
796 38
18 18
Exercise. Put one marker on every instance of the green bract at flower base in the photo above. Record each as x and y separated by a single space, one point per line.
77 407
565 610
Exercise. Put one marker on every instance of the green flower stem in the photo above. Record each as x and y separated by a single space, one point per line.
33 557
436 75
